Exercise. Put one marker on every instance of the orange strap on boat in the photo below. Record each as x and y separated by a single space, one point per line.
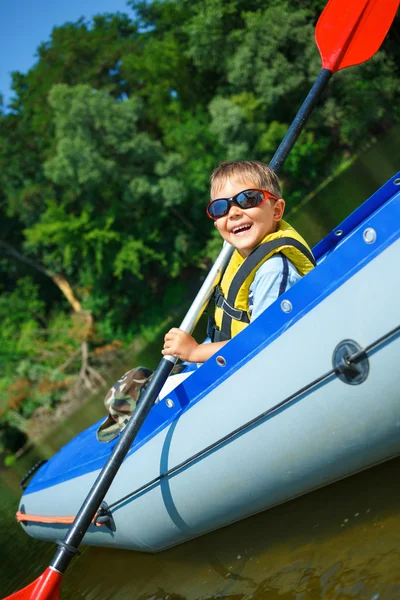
38 519
58 520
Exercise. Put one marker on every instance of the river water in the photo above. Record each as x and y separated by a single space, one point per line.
340 542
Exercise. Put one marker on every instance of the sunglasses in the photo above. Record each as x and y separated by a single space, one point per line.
246 199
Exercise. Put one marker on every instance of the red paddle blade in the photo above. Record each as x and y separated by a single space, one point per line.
46 587
349 32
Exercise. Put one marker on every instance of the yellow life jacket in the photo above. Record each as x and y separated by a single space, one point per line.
232 296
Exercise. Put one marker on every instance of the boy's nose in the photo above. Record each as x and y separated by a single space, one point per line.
234 210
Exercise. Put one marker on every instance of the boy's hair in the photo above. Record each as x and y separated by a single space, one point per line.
247 170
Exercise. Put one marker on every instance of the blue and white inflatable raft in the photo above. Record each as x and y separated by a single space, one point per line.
306 395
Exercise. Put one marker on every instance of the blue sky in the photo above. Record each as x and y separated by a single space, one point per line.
24 24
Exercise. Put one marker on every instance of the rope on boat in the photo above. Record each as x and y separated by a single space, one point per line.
104 517
21 517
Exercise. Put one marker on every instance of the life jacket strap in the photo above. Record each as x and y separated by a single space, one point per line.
249 264
215 334
234 313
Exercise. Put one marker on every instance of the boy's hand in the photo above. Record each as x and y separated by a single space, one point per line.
180 344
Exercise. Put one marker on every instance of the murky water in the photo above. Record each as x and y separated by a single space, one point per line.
340 542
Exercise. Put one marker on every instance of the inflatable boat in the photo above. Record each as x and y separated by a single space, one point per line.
307 394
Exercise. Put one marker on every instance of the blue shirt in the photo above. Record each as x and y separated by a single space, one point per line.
274 277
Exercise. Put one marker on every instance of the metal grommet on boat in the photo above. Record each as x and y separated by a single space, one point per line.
348 369
338 232
170 403
369 235
221 362
286 306
397 181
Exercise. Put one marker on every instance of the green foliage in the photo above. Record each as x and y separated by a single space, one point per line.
33 346
20 311
208 32
283 64
132 255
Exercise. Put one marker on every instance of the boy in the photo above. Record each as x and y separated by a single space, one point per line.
270 256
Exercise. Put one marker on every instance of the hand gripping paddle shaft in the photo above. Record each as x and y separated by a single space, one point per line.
348 32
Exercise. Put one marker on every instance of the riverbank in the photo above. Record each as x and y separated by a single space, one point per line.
45 418
110 364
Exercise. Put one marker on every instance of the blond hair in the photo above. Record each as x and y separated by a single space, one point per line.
247 171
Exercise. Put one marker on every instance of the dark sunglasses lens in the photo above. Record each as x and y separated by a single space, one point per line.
250 198
218 208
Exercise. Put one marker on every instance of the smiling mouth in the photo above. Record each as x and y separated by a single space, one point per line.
241 229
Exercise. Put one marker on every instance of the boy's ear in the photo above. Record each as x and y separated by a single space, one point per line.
279 209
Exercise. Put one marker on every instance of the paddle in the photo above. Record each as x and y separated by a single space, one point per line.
348 33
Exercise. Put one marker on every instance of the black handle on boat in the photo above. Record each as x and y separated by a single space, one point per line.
30 473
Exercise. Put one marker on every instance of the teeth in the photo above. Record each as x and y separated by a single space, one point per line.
241 228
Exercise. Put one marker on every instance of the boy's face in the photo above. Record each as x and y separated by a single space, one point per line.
245 228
